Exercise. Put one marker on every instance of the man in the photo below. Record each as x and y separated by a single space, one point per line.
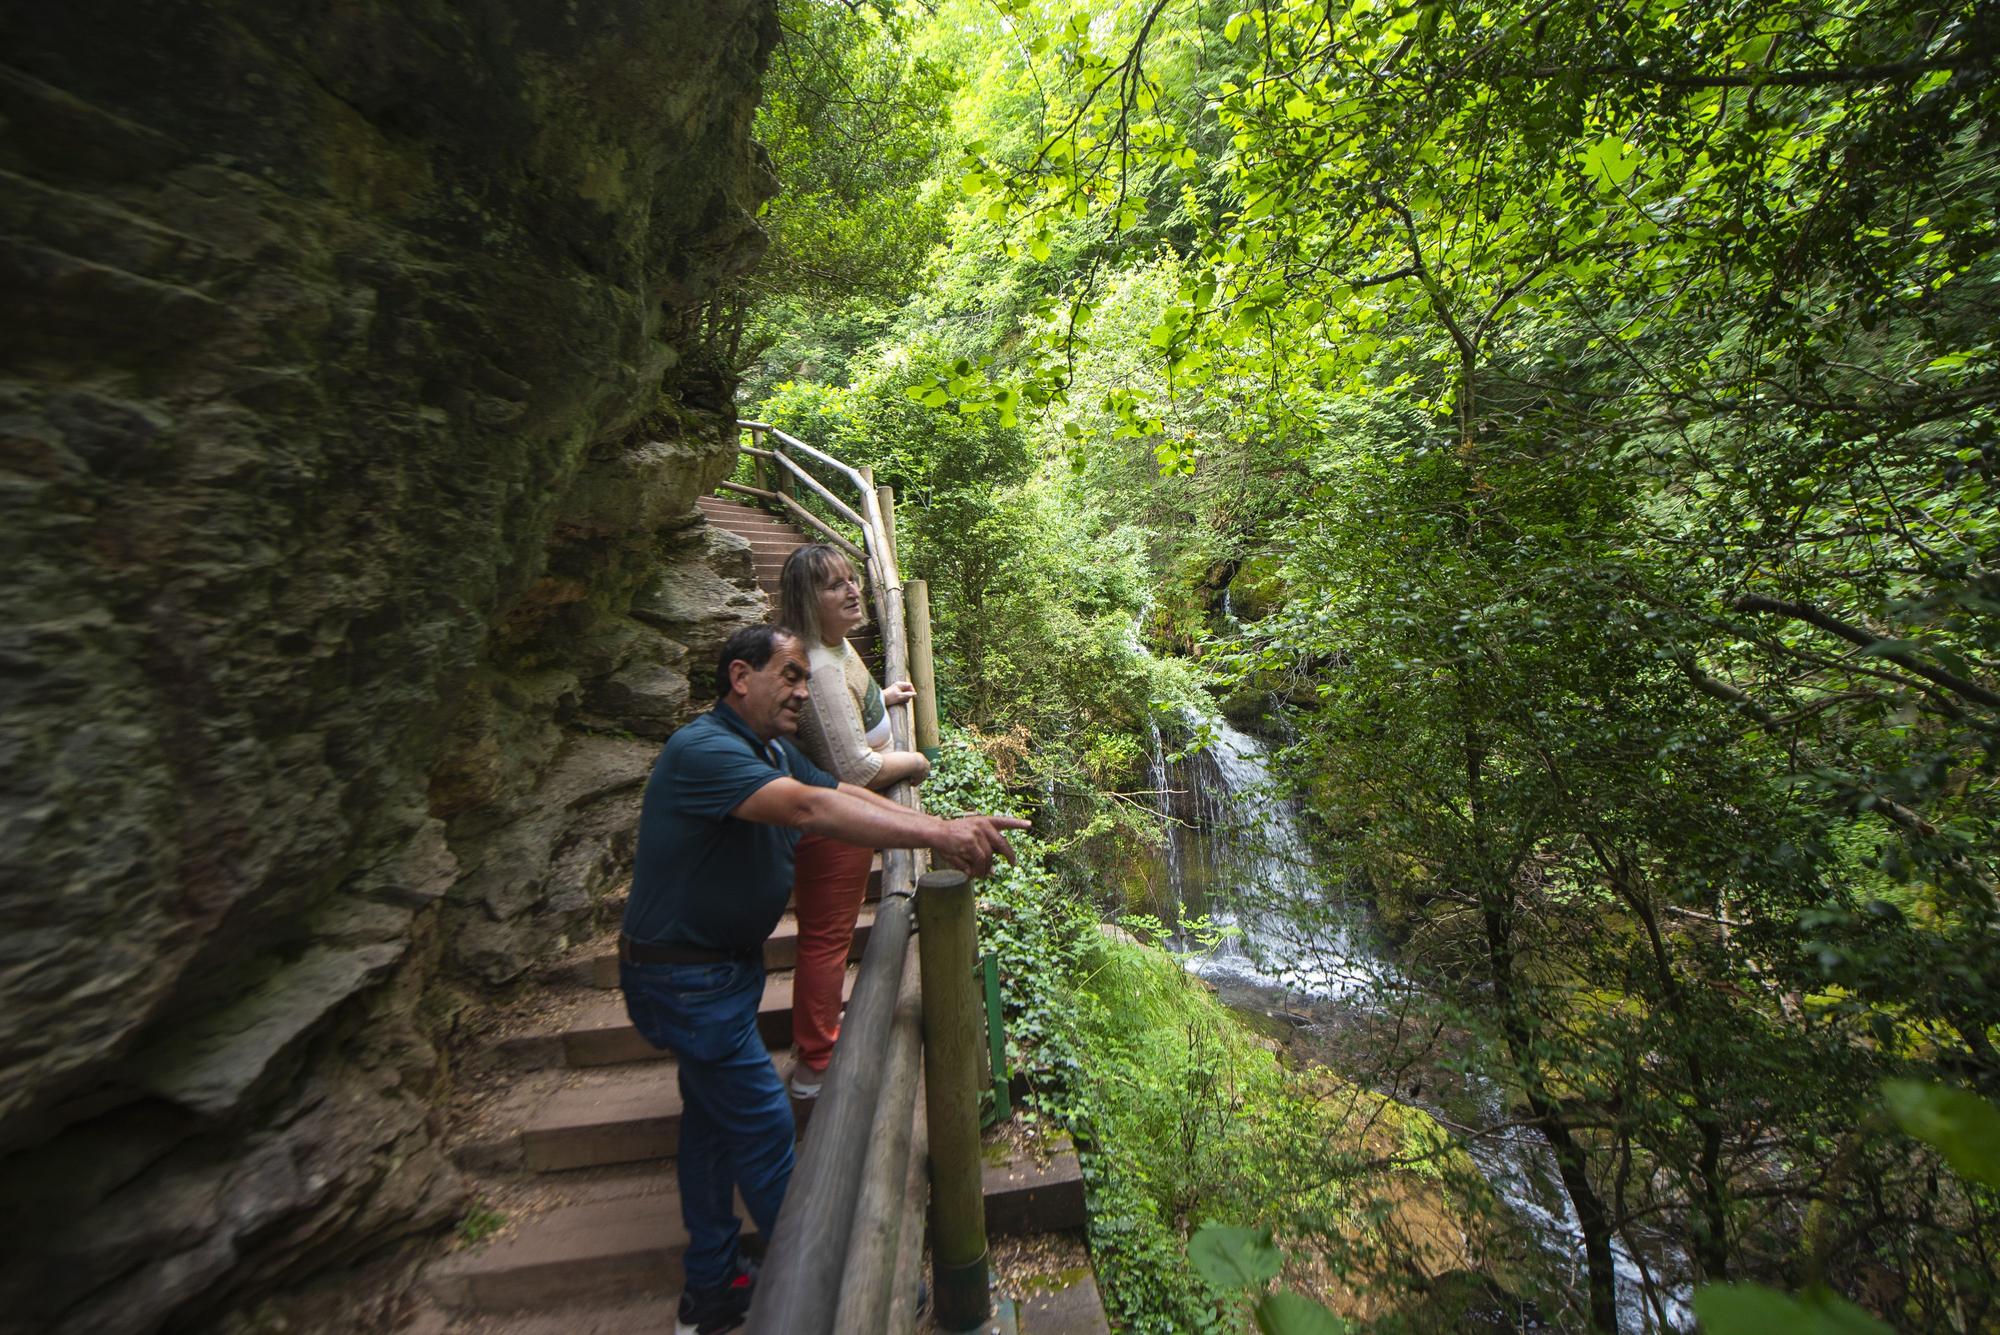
723 810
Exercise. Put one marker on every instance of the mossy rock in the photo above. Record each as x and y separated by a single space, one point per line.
1464 1300
1258 588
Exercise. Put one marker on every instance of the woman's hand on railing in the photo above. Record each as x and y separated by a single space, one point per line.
898 693
898 766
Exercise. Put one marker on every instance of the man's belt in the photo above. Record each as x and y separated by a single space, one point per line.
666 952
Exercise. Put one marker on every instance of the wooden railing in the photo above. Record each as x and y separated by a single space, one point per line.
847 1251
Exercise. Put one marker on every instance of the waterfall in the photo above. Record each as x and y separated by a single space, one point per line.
1234 849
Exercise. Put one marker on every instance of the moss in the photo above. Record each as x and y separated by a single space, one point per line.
1206 1124
1055 1283
365 170
1259 588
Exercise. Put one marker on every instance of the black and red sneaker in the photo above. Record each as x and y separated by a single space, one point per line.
713 1311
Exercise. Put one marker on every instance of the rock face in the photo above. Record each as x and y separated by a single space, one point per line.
359 378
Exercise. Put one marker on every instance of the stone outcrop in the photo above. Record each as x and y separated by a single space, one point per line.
359 378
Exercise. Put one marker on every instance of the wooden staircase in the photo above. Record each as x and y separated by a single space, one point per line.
772 540
571 1122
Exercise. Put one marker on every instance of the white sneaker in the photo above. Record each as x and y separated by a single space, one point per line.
806 1082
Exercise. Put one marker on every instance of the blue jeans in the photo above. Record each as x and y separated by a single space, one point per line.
736 1121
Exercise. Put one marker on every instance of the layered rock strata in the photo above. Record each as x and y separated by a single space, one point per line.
358 379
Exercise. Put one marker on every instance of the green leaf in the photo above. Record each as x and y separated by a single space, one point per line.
1962 1126
1610 159
1284 1313
1234 28
1234 1258
1751 1309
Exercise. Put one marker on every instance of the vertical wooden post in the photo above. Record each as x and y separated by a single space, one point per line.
787 485
760 472
886 498
946 942
923 671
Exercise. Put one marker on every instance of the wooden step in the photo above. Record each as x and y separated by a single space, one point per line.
640 1314
766 535
616 1115
613 904
781 949
605 1250
717 506
1068 1304
1025 1195
629 1119
740 519
598 1033
595 1251
761 536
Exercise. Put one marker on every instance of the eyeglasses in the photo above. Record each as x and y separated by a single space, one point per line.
841 583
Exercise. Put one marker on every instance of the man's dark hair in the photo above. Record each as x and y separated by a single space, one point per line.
753 645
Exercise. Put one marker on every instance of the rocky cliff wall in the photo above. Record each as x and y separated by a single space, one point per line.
354 394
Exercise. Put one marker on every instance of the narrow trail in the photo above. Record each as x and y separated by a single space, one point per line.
570 1122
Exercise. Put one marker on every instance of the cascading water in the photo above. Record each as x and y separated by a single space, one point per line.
1234 851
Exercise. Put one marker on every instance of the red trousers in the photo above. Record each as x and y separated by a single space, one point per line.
829 881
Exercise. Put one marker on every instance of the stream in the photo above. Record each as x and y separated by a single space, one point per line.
1235 852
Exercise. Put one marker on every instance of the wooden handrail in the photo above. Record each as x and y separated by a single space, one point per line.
840 507
857 1153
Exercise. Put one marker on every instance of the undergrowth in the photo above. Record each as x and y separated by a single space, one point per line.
1180 1116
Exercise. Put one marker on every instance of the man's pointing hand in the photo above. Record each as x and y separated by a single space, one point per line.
970 843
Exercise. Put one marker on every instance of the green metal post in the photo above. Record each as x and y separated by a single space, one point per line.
996 1039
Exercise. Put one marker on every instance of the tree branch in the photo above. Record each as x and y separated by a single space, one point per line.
1951 681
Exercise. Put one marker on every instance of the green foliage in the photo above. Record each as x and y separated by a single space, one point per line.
1180 1113
1591 417
1034 587
852 119
1746 1309
1246 1258
1235 1258
1286 1313
1962 1126
1047 941
480 1222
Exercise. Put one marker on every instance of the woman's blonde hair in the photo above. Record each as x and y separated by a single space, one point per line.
807 571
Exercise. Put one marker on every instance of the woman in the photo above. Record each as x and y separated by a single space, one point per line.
844 728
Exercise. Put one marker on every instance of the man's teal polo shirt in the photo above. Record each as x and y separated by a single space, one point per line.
702 877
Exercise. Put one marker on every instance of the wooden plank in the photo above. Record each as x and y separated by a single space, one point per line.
923 673
796 1294
809 517
580 1251
841 507
947 937
867 1292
